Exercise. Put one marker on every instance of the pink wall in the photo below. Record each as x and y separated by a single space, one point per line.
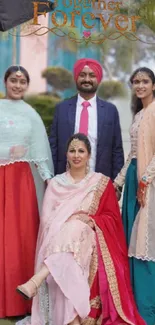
33 56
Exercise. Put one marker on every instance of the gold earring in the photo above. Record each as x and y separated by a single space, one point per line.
67 166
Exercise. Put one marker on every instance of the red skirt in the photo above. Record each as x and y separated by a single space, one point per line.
19 221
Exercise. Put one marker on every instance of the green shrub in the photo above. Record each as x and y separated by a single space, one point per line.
45 106
59 78
111 88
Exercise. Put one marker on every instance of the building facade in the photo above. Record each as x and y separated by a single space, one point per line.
35 52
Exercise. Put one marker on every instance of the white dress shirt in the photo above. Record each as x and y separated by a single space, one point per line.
92 126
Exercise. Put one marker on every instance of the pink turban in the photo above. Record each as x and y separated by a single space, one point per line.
92 64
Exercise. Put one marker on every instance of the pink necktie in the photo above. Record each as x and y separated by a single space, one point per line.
84 118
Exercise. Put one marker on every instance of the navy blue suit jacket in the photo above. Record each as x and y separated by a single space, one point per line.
110 156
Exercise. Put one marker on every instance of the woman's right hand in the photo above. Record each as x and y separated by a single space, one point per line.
17 152
91 224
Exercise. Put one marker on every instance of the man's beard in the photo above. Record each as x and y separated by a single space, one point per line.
91 90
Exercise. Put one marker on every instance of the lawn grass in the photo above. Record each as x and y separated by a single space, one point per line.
6 321
9 321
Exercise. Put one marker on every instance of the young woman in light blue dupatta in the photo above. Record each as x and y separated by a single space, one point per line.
25 167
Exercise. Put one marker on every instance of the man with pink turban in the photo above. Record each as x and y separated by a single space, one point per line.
92 64
87 113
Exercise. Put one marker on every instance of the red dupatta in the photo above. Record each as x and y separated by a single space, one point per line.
111 298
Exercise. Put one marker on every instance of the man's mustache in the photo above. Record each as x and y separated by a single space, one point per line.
86 83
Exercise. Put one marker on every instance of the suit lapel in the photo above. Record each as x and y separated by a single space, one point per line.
100 117
72 113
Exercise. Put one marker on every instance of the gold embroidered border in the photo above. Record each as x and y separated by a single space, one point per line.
89 321
102 184
95 302
99 321
111 275
92 321
98 193
93 267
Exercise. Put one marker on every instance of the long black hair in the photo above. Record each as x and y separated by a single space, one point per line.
15 68
136 103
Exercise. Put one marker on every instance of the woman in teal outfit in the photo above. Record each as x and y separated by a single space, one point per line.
138 211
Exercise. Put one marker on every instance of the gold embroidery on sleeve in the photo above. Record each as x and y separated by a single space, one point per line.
89 321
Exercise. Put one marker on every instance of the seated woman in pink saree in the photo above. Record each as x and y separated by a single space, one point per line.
82 272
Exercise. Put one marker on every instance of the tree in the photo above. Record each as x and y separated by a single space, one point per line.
131 49
147 13
59 78
120 56
111 88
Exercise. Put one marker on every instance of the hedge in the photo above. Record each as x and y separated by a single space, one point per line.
45 106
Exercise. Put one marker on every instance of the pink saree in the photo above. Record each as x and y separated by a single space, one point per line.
89 273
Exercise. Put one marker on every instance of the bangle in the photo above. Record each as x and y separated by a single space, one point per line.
142 184
144 179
